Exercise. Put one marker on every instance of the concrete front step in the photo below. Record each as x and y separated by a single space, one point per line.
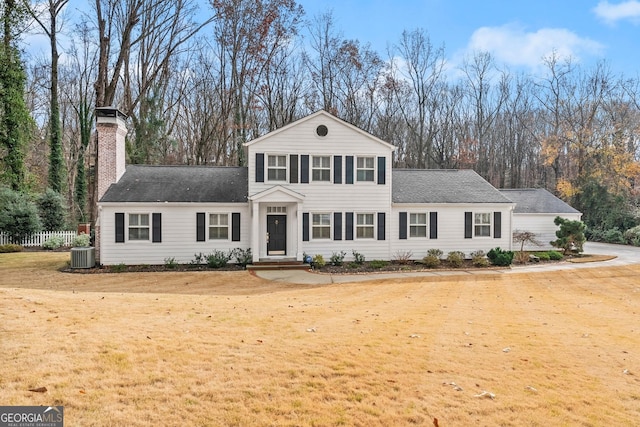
278 264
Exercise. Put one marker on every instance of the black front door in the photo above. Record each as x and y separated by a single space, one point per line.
277 234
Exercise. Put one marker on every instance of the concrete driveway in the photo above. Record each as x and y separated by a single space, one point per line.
624 255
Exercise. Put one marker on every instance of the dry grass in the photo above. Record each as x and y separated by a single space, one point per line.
132 349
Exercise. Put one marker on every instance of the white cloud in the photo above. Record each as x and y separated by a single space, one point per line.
512 45
612 13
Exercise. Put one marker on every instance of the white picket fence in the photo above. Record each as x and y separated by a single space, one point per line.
38 239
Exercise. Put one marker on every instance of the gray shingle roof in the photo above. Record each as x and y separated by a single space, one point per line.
180 184
443 186
537 200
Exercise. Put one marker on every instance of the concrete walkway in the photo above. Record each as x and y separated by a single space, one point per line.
625 255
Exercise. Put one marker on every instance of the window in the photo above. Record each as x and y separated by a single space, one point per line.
276 209
321 226
418 225
364 226
482 224
138 226
218 226
277 168
321 168
365 169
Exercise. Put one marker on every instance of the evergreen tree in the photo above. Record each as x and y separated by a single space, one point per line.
53 211
15 122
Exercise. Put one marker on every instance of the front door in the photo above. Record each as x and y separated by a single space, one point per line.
276 234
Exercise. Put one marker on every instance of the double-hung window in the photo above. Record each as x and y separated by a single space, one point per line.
218 226
138 226
482 224
321 168
365 169
321 226
277 168
418 225
364 226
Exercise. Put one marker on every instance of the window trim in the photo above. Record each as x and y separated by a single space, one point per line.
488 225
371 170
277 167
423 225
315 226
321 168
359 226
139 227
209 226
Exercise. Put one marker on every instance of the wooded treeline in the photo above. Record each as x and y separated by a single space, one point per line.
199 82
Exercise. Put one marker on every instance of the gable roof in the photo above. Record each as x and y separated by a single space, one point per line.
180 184
328 116
537 200
443 186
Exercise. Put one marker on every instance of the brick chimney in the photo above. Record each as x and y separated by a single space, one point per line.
111 129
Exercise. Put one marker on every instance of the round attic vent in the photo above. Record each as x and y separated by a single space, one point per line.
322 130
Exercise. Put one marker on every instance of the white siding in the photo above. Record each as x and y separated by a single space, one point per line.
542 225
178 233
450 230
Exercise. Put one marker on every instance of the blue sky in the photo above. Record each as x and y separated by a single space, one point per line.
517 32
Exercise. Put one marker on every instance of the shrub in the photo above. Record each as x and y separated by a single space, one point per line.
455 259
543 256
318 261
52 210
170 263
435 252
358 258
18 215
632 235
53 242
378 264
337 258
431 261
522 257
118 268
500 258
614 235
81 241
243 256
198 259
555 255
5 249
218 259
479 259
403 257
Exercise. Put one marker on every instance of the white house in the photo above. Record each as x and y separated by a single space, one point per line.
316 186
535 211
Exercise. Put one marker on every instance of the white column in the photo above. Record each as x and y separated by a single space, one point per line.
255 231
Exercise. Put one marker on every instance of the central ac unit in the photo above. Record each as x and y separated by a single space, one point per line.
83 257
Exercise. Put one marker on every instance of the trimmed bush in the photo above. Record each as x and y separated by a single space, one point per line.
81 241
218 259
555 255
318 261
431 261
337 258
500 258
455 259
543 256
479 259
5 249
53 242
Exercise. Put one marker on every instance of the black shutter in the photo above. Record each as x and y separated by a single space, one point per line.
259 167
337 169
304 169
382 170
293 168
119 227
381 226
497 225
305 227
337 226
403 225
157 228
468 225
348 226
235 227
433 225
348 170
200 227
